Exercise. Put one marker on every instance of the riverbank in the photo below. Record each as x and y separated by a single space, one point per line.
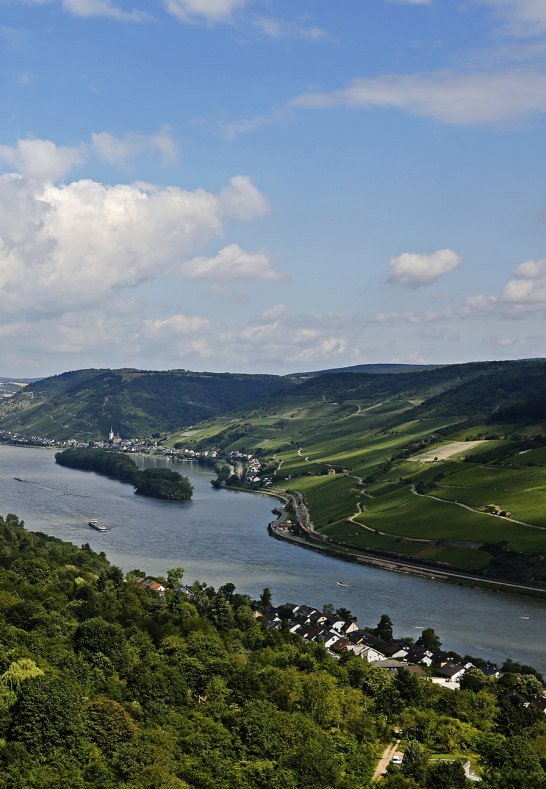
312 540
220 539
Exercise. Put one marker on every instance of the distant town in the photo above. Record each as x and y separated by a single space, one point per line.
243 465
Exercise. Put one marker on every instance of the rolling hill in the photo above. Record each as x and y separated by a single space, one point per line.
84 404
424 468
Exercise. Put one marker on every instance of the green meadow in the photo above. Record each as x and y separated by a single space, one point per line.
369 443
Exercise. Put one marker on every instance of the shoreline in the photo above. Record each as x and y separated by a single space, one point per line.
344 552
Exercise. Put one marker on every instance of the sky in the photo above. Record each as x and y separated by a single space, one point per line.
271 185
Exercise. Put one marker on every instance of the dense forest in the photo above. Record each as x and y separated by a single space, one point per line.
105 683
137 403
158 483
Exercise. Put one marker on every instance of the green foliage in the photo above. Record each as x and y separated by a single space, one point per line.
108 685
163 483
47 716
85 403
159 483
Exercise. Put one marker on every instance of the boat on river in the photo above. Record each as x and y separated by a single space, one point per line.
95 524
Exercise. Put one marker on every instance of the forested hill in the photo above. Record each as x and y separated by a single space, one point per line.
108 685
455 388
84 404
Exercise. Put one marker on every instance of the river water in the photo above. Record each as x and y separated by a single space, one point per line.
221 536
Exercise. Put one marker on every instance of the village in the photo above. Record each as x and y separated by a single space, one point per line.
340 635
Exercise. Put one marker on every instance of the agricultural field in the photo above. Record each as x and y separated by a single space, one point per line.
520 492
445 451
409 481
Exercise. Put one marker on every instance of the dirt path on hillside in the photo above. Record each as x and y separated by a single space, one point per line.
384 761
478 512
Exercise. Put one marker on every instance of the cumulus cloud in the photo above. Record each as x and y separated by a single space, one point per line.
120 150
528 286
69 245
211 11
414 270
282 338
476 305
450 97
42 159
232 263
105 8
242 200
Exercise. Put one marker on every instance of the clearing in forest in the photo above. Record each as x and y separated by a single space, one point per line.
445 451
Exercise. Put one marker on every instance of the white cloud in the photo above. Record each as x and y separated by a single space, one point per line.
67 246
120 150
414 270
242 200
525 17
212 11
430 316
275 28
411 2
248 125
177 324
232 263
528 288
91 8
450 97
42 159
477 305
281 338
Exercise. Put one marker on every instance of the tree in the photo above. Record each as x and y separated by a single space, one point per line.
384 628
18 672
445 775
345 614
97 635
429 640
265 598
108 724
408 686
47 716
414 764
174 576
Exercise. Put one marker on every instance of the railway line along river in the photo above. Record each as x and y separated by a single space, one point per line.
221 536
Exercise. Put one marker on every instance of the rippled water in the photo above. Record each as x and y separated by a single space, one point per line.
221 536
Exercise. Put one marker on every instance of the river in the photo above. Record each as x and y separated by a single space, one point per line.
221 536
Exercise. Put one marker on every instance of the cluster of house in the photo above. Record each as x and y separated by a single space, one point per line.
153 585
7 437
340 636
252 468
114 443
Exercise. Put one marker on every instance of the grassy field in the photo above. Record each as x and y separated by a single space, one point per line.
522 492
407 515
370 445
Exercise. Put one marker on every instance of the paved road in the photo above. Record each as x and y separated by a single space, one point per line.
395 563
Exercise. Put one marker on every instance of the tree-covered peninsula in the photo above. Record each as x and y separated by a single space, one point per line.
108 684
158 483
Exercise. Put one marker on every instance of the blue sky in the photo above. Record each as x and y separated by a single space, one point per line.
257 185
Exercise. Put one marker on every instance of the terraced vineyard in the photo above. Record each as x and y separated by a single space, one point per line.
482 498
